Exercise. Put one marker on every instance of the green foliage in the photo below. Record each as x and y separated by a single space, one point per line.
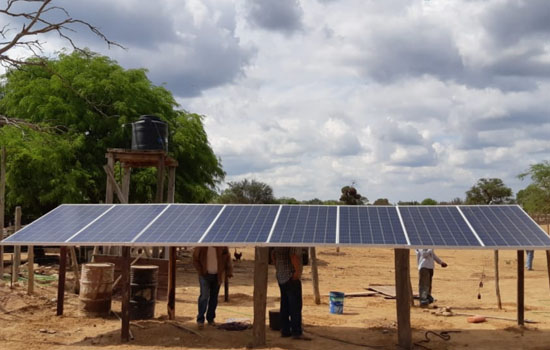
408 203
287 200
247 192
489 191
351 197
535 198
93 99
381 201
429 201
44 170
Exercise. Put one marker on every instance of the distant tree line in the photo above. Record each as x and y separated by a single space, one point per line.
535 198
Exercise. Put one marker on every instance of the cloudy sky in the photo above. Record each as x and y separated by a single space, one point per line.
408 99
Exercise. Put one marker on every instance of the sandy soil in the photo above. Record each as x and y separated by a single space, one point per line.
29 322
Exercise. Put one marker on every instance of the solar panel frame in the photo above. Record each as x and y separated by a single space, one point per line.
173 212
95 211
499 242
441 226
247 218
387 217
292 215
111 229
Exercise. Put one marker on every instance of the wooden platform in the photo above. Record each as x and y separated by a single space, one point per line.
142 158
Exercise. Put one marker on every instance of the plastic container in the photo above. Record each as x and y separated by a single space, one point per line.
149 133
336 300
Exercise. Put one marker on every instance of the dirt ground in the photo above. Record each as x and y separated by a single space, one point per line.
29 322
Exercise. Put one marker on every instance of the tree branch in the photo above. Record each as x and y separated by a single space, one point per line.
35 26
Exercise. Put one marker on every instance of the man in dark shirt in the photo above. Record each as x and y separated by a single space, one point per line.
288 267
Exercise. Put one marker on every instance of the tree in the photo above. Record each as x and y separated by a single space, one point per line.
536 197
381 201
36 95
489 191
38 18
351 197
287 200
408 203
428 201
247 192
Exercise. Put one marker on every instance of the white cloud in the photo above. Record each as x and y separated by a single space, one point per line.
409 99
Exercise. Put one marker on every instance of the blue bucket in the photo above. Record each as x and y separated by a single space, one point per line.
336 302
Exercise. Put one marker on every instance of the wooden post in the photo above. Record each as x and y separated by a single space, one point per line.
108 189
497 281
17 248
2 205
109 185
111 179
171 306
159 198
314 275
61 281
260 295
74 264
126 172
548 265
226 289
402 278
30 269
170 196
521 297
125 289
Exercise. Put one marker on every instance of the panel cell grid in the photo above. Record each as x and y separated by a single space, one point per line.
505 226
437 226
120 225
180 223
58 225
372 225
242 223
305 224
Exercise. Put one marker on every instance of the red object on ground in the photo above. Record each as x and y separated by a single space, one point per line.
476 319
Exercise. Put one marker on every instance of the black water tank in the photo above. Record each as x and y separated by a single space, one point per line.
149 132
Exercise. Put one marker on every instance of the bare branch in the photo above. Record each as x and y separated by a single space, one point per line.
36 25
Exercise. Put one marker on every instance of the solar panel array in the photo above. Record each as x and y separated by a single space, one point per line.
504 226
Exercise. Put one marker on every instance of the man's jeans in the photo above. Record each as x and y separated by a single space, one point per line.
425 285
208 298
291 308
529 262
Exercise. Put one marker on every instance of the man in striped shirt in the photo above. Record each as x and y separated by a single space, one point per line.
288 267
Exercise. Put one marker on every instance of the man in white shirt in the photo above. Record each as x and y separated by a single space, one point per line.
212 265
425 259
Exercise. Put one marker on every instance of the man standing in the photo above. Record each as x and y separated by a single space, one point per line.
288 267
529 262
425 259
212 264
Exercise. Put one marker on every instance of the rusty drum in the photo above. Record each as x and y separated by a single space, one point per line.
143 286
96 288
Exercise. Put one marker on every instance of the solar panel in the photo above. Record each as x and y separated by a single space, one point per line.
305 224
505 226
120 224
437 226
499 227
184 223
242 224
372 225
59 224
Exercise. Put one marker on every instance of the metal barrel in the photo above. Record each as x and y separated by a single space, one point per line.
143 291
96 289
